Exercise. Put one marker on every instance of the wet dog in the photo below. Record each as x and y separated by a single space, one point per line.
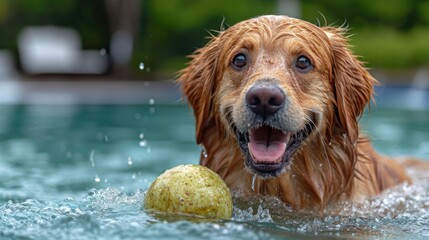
277 100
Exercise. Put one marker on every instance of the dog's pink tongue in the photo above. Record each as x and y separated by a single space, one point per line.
267 145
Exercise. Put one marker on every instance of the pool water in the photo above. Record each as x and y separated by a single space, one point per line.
80 172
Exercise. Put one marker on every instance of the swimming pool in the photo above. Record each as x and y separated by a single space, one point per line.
80 171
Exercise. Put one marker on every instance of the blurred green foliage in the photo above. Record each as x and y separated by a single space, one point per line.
387 33
173 29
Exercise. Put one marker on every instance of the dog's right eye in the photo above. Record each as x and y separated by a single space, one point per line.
239 61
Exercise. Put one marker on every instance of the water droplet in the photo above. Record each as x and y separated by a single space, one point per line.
130 161
103 52
97 179
133 176
106 139
141 136
148 69
253 182
143 143
141 66
152 110
148 150
151 101
91 158
204 151
146 84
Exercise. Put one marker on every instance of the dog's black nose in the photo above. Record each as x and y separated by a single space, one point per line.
265 100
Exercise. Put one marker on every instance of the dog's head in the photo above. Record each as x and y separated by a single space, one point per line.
275 83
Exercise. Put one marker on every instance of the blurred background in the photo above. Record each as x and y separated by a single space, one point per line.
141 41
90 114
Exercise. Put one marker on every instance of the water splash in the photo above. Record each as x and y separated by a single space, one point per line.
109 214
143 143
91 157
253 182
130 161
261 215
112 213
204 151
97 179
344 138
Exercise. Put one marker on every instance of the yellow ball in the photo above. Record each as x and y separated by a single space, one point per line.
190 189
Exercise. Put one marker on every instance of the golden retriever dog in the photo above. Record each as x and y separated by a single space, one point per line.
277 102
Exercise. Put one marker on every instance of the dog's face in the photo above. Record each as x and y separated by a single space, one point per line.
274 89
274 83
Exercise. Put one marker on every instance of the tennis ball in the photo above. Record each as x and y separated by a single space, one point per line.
190 190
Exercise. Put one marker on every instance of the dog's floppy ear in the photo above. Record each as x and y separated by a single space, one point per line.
353 85
198 83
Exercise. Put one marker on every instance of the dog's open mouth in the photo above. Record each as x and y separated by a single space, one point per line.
268 150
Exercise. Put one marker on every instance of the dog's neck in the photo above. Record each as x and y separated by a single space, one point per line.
319 172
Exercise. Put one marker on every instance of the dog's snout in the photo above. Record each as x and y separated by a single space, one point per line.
265 100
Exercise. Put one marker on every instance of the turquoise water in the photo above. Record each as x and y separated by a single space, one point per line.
80 172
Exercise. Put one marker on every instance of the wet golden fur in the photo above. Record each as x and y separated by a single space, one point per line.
335 162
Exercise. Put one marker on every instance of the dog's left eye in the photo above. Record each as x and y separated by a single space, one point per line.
239 61
303 63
